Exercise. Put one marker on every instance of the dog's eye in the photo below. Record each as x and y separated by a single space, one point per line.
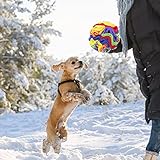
73 62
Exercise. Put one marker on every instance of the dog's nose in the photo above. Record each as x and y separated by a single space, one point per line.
80 62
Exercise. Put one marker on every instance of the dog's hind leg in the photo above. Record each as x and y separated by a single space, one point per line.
62 133
46 146
61 129
50 137
60 136
57 144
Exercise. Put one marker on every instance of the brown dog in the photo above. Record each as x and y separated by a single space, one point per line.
70 94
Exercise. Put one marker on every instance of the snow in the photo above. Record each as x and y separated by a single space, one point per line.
113 132
2 95
21 79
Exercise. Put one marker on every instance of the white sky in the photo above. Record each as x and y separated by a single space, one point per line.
75 18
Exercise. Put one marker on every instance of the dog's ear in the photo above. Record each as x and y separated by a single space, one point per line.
85 66
58 67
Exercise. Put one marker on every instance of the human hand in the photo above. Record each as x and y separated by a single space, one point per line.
118 49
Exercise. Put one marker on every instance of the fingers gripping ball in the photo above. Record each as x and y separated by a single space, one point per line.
104 37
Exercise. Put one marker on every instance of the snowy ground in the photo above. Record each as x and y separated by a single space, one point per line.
95 133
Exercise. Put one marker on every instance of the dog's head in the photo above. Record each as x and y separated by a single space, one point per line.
72 65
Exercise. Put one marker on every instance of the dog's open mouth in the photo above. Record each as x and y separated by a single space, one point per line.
80 66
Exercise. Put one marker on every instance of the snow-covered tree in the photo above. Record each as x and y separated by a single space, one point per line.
111 78
23 38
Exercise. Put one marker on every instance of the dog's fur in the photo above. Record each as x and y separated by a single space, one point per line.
69 96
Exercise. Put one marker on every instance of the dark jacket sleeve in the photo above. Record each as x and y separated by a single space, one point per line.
155 5
142 78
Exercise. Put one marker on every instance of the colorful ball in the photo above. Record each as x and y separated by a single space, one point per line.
104 36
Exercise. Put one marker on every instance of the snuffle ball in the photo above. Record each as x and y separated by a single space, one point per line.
104 36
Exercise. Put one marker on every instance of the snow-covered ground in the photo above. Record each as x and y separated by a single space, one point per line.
95 133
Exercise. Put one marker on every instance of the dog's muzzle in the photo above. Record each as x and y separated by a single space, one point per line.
80 65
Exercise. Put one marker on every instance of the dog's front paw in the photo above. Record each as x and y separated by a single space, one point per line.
86 94
88 97
83 99
79 97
